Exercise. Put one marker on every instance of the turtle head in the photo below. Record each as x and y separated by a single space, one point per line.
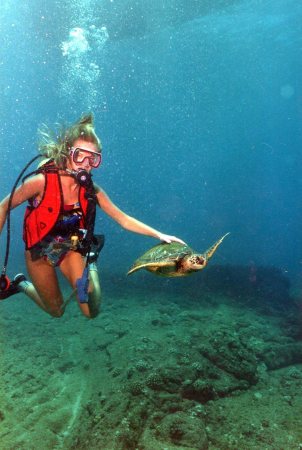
194 262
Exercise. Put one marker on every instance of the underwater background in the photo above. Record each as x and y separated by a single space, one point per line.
198 105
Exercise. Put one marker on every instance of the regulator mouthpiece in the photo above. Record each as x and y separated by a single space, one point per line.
82 177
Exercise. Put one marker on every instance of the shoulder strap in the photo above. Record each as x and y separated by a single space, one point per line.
48 167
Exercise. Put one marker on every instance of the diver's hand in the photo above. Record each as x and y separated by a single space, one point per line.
168 239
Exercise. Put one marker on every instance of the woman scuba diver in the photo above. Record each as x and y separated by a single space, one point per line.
58 228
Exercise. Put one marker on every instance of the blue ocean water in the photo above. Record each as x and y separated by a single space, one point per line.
198 108
198 105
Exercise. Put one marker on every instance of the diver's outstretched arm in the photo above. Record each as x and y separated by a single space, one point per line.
128 222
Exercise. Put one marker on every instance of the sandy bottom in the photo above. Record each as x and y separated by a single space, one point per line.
155 370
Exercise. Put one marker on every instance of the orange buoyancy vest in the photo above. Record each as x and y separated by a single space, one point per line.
40 220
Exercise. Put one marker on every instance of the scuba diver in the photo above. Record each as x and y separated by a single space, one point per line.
58 228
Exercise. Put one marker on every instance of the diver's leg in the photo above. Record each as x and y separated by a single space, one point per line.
44 290
72 268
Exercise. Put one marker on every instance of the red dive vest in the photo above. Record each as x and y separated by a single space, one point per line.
39 221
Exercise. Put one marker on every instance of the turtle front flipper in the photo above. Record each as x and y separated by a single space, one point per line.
210 252
152 266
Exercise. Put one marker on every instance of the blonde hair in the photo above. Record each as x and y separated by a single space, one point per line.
57 144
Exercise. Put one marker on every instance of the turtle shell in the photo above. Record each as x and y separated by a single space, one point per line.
162 259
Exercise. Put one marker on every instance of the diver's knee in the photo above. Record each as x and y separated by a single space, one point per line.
92 313
56 312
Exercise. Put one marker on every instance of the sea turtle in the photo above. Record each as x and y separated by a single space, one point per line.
174 260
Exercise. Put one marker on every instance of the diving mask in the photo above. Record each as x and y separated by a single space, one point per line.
79 155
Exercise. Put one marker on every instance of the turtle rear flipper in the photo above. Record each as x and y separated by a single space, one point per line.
210 252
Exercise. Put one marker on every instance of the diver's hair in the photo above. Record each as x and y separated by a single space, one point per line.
57 144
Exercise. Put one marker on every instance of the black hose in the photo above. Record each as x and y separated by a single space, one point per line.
9 210
90 218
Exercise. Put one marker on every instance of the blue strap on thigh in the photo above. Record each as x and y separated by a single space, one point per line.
82 286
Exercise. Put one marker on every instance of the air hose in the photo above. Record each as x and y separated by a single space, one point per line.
4 280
